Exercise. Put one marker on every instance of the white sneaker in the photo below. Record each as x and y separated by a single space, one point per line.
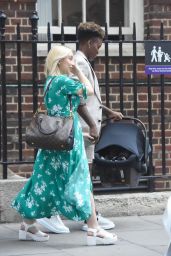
104 223
54 224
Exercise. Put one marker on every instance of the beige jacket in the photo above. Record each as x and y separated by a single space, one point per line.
93 102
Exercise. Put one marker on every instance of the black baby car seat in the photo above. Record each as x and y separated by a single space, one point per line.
123 146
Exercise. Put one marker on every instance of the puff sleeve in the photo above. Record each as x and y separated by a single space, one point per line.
72 86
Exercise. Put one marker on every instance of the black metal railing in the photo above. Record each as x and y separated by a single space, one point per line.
107 83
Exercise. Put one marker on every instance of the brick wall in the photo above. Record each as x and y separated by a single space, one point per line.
142 97
19 13
155 12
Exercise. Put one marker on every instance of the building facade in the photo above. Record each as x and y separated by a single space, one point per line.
119 69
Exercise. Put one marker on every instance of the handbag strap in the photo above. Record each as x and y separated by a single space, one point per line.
41 101
47 88
70 103
68 95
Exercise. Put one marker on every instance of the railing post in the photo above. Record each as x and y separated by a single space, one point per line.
34 20
150 132
2 24
77 43
4 103
62 34
106 65
48 36
162 82
135 70
121 68
19 66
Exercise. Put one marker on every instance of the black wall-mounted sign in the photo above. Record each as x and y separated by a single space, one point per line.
157 57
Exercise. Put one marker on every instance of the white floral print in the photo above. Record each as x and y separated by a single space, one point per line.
60 183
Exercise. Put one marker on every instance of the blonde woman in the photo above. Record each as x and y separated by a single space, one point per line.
60 183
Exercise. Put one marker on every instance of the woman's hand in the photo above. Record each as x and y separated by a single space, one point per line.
74 69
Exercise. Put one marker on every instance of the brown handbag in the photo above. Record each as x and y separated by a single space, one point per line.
51 132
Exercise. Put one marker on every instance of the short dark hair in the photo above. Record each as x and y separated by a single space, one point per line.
88 30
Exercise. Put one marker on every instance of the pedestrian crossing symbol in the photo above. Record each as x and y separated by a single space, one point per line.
157 57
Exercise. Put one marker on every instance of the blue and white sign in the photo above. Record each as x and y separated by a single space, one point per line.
157 57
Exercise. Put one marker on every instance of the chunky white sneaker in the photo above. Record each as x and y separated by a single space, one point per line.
100 237
54 225
104 223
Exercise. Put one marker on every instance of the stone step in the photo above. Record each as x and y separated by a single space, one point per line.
112 205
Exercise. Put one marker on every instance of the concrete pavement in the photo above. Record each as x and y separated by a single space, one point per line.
138 236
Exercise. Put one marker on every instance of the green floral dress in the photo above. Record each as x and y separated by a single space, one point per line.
60 183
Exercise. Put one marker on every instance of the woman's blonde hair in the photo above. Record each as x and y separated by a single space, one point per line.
57 53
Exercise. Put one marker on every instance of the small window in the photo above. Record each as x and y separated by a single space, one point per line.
116 13
71 13
96 11
54 13
76 11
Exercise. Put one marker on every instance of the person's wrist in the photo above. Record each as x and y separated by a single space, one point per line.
92 126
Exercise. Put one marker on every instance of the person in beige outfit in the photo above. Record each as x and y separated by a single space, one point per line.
90 37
